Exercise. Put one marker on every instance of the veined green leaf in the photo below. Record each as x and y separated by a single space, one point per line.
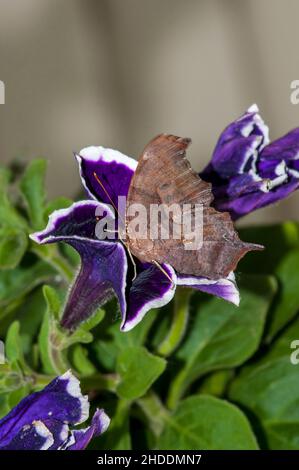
223 335
32 186
207 423
138 369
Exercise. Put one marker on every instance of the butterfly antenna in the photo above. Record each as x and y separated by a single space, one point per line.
108 195
163 271
133 262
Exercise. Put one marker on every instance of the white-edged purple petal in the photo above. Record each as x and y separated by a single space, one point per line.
79 219
104 263
239 144
151 289
246 171
79 439
40 418
224 288
34 436
114 169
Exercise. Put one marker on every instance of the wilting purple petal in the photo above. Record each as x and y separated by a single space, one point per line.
41 420
224 288
151 289
79 439
114 169
247 172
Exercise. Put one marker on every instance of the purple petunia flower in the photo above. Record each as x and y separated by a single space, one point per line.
246 171
42 420
105 266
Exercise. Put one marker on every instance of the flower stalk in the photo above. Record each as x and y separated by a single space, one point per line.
179 322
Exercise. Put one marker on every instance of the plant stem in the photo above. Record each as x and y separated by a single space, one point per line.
154 411
179 322
40 381
100 382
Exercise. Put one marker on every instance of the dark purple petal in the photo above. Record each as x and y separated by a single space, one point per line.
151 289
114 170
246 203
238 145
247 172
79 439
280 159
103 271
58 404
35 436
103 263
78 220
224 288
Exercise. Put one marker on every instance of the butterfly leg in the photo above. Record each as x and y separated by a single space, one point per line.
163 271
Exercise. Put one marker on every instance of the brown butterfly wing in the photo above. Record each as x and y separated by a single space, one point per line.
164 175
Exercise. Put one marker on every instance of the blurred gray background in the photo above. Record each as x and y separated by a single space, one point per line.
117 72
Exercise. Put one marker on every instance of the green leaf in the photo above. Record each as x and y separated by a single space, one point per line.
53 301
271 392
5 177
51 255
13 244
54 340
282 346
287 303
277 239
269 388
50 337
13 384
13 346
79 336
216 383
9 216
16 396
14 284
112 341
93 320
32 187
138 369
82 333
223 335
207 423
56 204
52 358
81 362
